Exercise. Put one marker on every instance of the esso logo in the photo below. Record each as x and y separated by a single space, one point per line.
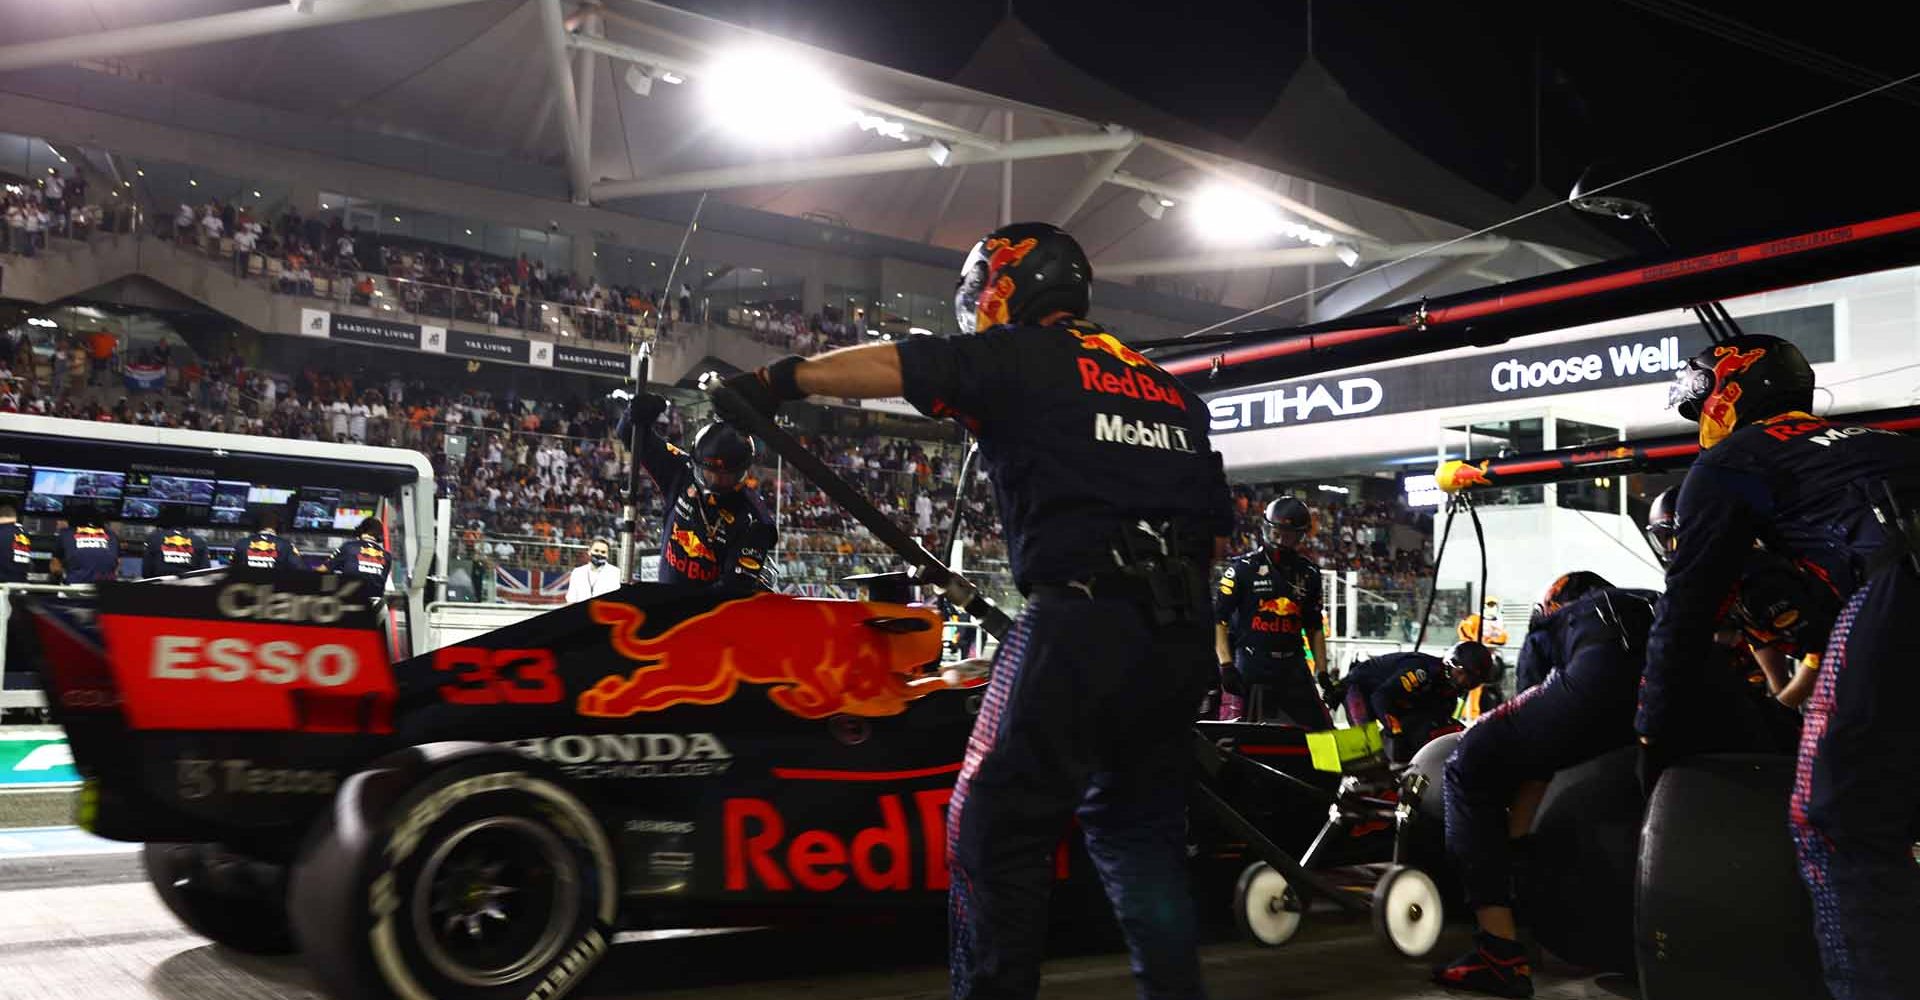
230 660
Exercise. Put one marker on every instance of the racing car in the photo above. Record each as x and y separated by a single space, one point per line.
480 820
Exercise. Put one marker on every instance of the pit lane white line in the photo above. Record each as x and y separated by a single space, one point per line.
56 842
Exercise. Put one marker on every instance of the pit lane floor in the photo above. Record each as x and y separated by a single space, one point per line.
75 923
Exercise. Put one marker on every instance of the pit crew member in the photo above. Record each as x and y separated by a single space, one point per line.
1268 603
1413 695
264 548
172 550
717 533
85 551
18 561
1834 498
365 558
1113 506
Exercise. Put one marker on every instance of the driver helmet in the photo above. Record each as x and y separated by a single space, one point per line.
1023 273
721 457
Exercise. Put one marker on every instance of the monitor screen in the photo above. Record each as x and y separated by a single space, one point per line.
313 510
148 496
229 502
14 479
70 491
268 496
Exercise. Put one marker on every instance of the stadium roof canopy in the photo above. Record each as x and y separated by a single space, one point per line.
646 104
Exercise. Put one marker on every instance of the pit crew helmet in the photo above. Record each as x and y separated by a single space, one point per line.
1663 526
1469 664
1741 380
721 456
1565 590
1022 273
1286 514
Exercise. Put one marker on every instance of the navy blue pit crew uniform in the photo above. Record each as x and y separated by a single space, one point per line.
1410 694
19 554
1808 489
172 551
1593 647
716 538
1270 601
366 560
266 549
1092 691
88 553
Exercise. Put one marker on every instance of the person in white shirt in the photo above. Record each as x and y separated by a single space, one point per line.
214 229
923 511
243 243
598 576
183 223
56 188
36 223
339 411
357 421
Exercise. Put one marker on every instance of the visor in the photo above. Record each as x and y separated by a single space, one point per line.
966 295
716 480
1691 386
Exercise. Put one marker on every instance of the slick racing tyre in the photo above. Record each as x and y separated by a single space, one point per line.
1721 910
1265 907
481 877
1428 769
236 901
1576 887
1408 914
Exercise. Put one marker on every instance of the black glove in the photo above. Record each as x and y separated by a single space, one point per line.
646 408
1332 694
1653 760
762 391
1231 681
1209 705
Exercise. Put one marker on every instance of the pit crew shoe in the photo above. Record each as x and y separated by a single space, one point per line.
1495 966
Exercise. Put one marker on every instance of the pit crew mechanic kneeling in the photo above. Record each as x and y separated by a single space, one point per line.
1595 636
1269 601
717 532
1113 506
1835 498
1413 695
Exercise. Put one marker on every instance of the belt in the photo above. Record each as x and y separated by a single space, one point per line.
1097 588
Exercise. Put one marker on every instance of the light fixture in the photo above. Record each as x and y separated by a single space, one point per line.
1152 206
1230 215
116 194
126 183
651 263
939 152
672 77
139 173
1348 255
256 194
709 274
469 232
396 218
50 170
387 307
192 183
768 96
639 81
376 293
596 253
325 205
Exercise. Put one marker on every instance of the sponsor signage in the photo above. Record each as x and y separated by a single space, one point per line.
482 345
440 340
383 332
1497 374
200 777
36 759
631 755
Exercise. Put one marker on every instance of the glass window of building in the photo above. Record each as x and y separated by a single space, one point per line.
1601 494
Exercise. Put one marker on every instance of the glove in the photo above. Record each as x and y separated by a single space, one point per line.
1653 760
1231 681
762 391
1332 695
646 408
1209 705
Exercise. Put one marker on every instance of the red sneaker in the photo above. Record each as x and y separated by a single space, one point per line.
1495 966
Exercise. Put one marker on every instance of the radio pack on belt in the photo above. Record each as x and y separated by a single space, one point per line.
1166 562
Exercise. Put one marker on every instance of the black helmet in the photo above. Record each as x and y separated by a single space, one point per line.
1472 660
721 456
1663 526
1569 588
1741 380
1022 273
1287 514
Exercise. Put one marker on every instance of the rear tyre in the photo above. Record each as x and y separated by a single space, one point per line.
1717 875
1408 914
486 879
234 900
1265 906
1576 888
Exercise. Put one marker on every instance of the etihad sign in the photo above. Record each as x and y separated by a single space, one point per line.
1296 403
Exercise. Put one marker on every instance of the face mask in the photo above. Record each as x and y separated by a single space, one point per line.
599 560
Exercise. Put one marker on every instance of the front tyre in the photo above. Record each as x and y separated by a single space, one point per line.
485 879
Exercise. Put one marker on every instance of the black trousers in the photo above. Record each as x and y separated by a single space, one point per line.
1088 716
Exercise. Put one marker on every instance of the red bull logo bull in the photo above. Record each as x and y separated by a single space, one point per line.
817 658
1001 254
1108 344
1720 412
692 544
1275 614
1454 476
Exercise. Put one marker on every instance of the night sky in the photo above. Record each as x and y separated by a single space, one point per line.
1630 82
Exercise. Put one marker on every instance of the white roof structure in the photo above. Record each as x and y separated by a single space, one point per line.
1020 134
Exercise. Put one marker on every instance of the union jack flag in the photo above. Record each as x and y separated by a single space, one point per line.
530 586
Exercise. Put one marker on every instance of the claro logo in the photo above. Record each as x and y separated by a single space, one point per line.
1298 403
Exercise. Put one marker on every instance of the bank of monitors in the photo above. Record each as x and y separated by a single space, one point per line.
65 492
170 499
313 508
229 503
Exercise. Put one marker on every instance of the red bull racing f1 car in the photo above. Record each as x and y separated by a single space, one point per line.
481 820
